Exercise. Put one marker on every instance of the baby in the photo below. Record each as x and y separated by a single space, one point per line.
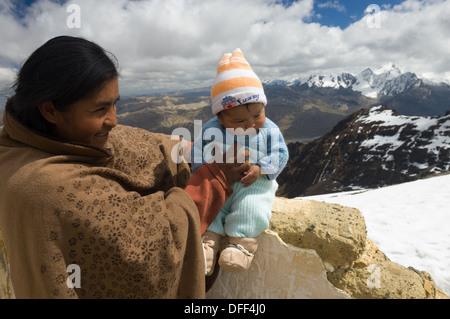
238 101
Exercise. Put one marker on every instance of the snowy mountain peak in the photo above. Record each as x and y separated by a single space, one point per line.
386 80
344 80
372 83
387 71
390 69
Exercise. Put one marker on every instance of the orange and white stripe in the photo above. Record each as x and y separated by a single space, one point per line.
235 81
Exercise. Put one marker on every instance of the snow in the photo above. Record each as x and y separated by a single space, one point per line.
371 83
385 80
387 118
379 140
388 79
409 222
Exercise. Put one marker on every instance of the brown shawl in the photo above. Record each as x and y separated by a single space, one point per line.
121 216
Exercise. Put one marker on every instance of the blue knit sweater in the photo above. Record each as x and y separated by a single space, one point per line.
271 150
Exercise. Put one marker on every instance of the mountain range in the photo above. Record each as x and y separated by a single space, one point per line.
304 109
369 149
387 80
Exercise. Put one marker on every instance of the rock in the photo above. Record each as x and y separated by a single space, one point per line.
336 233
374 276
441 295
368 149
278 271
6 288
302 232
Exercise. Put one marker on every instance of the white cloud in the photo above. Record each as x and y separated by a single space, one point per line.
176 44
7 77
332 5
413 34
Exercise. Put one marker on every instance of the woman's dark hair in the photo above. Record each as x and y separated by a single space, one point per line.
63 70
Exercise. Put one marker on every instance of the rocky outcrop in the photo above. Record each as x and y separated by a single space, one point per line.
312 250
278 271
319 250
6 289
369 149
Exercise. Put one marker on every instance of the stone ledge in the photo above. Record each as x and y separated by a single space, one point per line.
278 271
6 289
335 232
336 235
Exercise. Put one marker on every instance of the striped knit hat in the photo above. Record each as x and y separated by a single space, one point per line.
235 83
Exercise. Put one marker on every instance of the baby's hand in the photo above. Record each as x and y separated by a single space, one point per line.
251 175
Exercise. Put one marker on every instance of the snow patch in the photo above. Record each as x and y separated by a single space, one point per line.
409 222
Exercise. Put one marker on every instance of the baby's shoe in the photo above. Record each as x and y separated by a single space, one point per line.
238 256
211 245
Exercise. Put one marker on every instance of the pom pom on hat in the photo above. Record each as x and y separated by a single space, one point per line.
235 83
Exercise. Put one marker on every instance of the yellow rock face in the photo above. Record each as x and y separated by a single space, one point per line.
6 289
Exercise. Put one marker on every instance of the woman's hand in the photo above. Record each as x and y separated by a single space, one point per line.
230 166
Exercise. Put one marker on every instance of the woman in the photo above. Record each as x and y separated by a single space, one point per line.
80 192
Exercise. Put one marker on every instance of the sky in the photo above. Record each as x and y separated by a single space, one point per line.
176 44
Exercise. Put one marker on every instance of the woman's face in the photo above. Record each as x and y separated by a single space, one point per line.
89 120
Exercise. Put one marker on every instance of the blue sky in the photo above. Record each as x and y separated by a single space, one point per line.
168 45
20 7
333 13
342 13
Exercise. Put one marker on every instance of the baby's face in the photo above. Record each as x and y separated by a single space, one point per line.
245 116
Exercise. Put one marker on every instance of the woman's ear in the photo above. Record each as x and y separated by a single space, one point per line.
48 111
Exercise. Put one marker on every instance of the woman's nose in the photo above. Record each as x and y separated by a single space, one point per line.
111 119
